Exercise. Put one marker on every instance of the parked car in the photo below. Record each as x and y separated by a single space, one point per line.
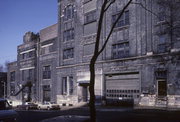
49 106
28 106
6 112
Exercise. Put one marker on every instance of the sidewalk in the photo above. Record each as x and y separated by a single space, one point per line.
68 119
103 111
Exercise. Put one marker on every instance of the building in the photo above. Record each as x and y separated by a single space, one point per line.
141 61
47 62
3 84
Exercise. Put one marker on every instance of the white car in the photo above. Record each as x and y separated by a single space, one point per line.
49 106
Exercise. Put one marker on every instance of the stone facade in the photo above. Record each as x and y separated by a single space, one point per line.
141 61
143 67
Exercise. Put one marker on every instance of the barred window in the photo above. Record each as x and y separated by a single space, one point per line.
162 13
12 76
12 88
68 34
23 75
71 85
68 53
68 12
47 72
30 77
90 17
67 85
124 20
162 44
120 50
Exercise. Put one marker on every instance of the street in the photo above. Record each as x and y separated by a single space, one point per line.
106 114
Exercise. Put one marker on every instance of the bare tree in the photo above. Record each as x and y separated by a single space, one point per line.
6 66
1 68
98 50
169 18
169 13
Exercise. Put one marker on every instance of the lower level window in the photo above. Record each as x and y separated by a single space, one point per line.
68 53
120 50
67 85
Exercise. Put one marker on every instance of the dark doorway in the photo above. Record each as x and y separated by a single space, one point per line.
84 93
46 93
162 88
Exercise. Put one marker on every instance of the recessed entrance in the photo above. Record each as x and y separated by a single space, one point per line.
162 88
84 93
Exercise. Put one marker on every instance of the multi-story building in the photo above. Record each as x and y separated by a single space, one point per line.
24 70
47 61
35 65
141 61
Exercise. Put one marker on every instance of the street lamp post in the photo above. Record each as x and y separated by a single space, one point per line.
4 89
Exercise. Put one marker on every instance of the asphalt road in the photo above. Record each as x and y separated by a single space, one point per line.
106 115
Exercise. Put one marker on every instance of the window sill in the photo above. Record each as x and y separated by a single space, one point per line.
27 59
69 59
69 20
161 23
47 53
90 22
121 28
72 40
47 79
87 56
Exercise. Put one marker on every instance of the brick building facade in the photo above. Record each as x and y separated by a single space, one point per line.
141 61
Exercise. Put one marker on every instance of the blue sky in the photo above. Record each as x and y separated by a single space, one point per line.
20 16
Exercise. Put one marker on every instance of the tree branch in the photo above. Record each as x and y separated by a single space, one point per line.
99 30
109 5
150 11
146 9
113 26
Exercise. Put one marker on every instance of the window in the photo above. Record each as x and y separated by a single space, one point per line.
12 88
90 17
12 76
46 93
162 13
30 74
28 55
67 85
120 50
64 86
31 54
68 12
162 44
71 85
48 46
68 34
23 75
68 53
47 49
46 72
124 20
23 56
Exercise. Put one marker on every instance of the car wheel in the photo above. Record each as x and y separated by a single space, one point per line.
48 108
39 108
27 108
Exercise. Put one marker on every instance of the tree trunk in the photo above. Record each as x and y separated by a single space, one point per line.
91 91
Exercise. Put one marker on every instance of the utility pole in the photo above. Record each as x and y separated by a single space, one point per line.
4 89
